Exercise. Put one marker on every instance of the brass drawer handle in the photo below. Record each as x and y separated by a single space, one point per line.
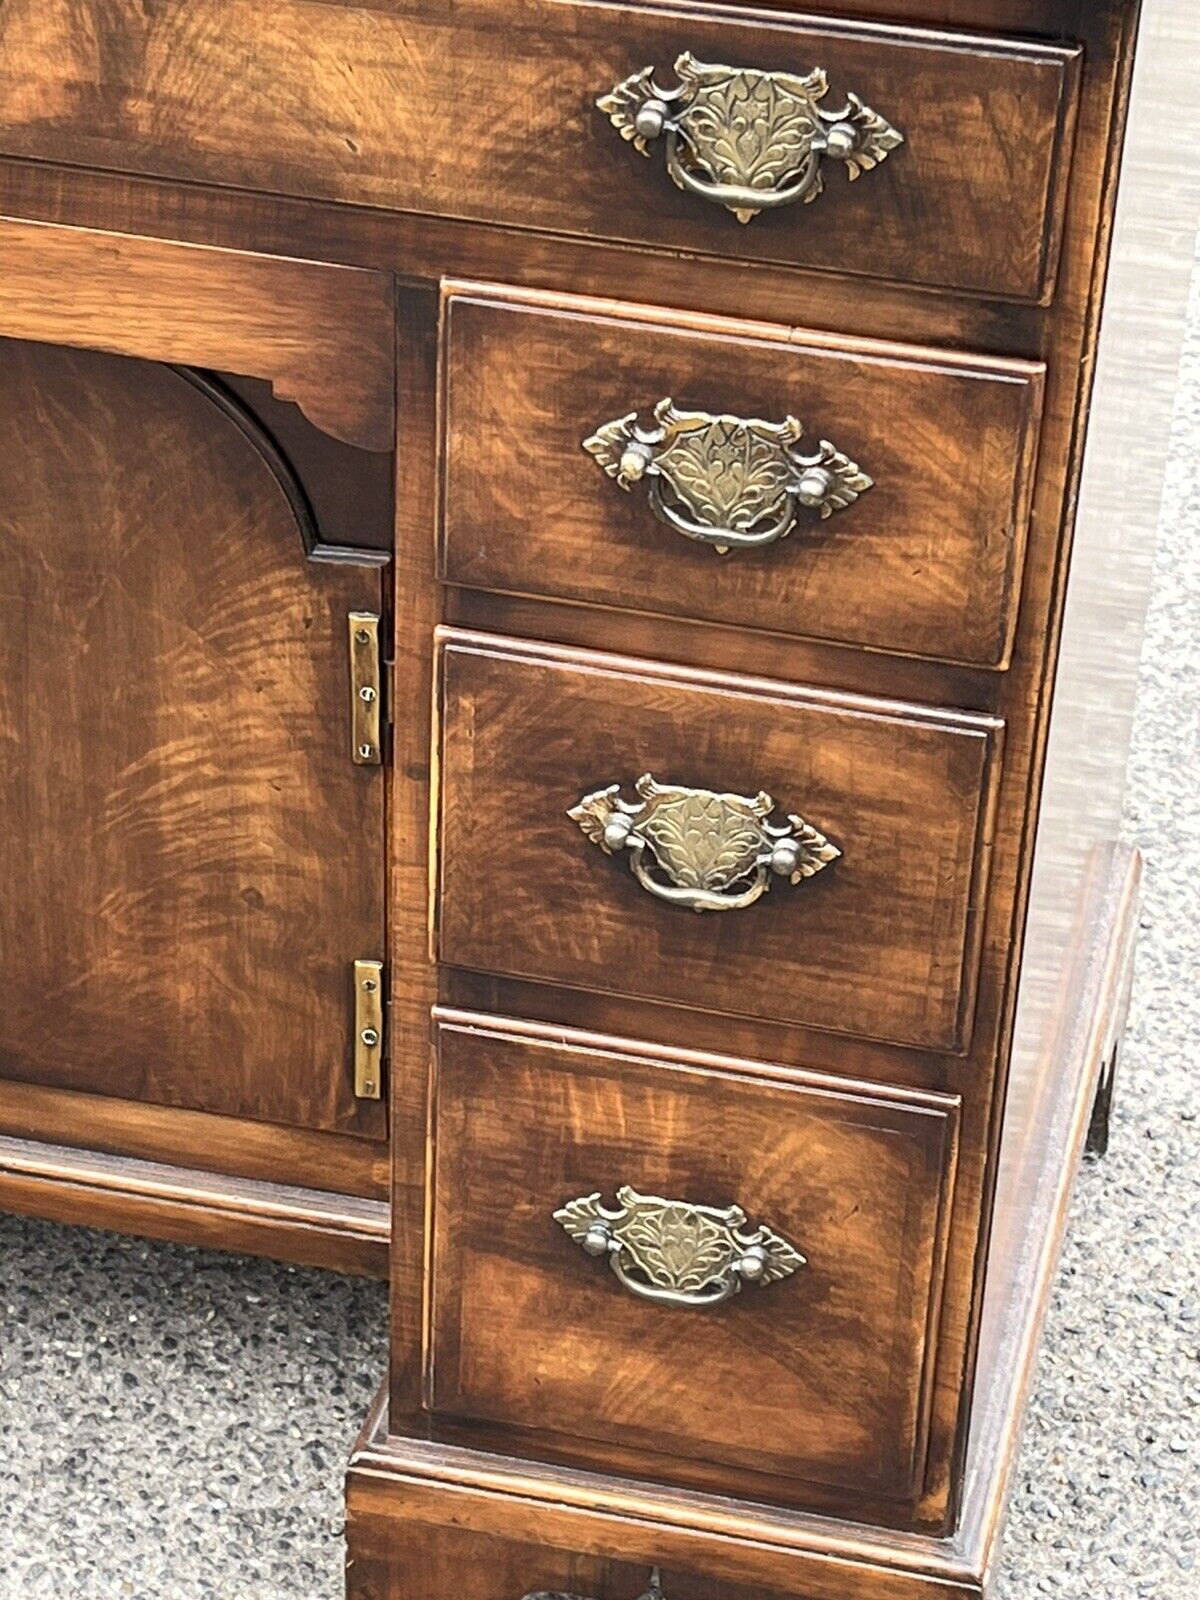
747 140
735 483
677 1253
700 849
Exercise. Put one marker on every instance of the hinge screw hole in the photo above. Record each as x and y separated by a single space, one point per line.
370 1037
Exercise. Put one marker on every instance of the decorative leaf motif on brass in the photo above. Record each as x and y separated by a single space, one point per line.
676 1252
700 849
748 140
734 483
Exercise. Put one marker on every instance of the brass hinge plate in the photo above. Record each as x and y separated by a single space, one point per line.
368 1030
366 689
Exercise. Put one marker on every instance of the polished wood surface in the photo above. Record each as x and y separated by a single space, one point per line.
237 1147
157 1201
173 695
321 335
427 1516
927 561
823 1375
295 236
1049 1118
1063 337
352 102
883 943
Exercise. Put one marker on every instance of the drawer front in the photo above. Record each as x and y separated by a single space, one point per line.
914 542
489 112
881 941
590 1277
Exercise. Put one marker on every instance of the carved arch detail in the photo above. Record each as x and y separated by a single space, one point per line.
281 468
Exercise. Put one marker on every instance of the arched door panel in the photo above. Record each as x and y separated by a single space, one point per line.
190 860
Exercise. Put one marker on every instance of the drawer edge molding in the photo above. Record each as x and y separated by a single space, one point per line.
489 1024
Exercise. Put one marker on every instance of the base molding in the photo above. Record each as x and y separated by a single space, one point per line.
306 1227
428 1519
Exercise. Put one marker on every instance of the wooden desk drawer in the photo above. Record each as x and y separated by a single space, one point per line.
488 111
924 560
819 1370
883 942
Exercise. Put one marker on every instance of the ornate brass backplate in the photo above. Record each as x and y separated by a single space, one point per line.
701 849
748 140
734 483
678 1253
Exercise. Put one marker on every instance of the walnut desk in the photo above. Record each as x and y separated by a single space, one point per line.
565 657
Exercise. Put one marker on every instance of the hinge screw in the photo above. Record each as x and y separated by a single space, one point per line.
368 1087
367 694
369 985
366 751
370 1037
362 636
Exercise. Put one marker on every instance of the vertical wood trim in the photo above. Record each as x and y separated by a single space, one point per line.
413 976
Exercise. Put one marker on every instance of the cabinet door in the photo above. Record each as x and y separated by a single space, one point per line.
191 861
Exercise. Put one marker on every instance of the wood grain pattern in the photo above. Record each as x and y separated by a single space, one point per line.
884 943
423 249
413 978
927 562
352 103
302 1226
423 1513
1048 1114
822 1376
418 1535
220 1146
322 335
146 88
193 860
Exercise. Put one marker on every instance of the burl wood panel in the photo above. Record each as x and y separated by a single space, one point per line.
191 861
883 943
486 111
821 1376
927 562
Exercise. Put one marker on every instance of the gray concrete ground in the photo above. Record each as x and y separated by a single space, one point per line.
173 1424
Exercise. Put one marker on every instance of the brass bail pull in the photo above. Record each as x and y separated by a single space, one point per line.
747 140
732 483
677 1253
700 849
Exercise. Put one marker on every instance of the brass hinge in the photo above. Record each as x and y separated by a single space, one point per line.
368 1030
366 689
